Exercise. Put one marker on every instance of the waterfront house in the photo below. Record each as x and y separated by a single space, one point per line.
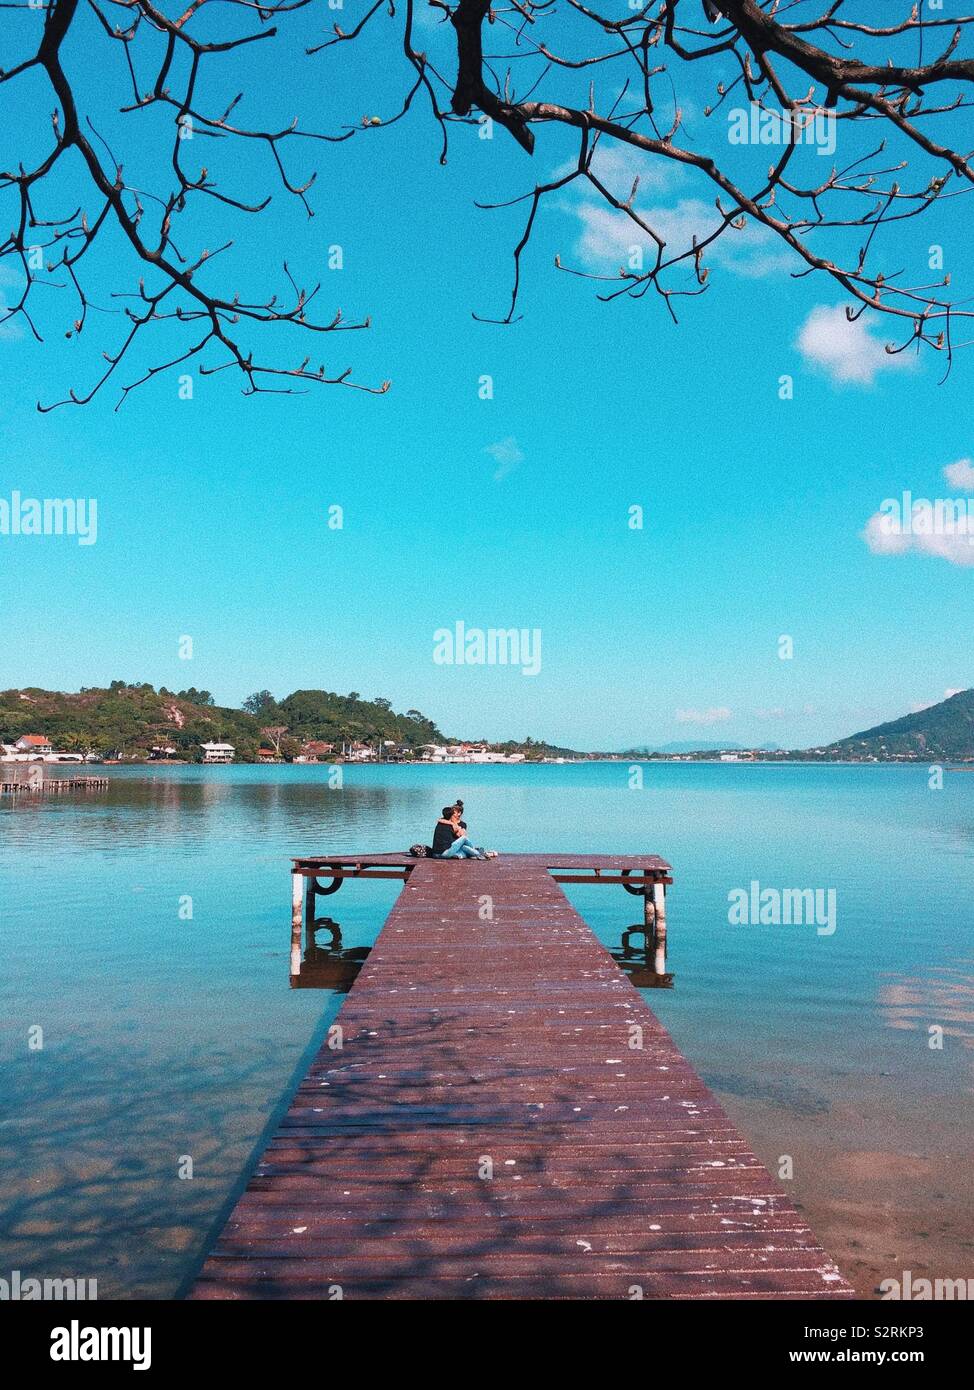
218 752
314 750
268 755
36 744
432 752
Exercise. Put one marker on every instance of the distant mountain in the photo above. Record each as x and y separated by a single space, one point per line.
942 731
703 746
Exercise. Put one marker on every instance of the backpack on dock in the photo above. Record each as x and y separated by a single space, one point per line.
420 851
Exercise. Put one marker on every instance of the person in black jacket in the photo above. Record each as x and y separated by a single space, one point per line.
450 839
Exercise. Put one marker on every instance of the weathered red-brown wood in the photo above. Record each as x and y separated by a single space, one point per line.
489 1128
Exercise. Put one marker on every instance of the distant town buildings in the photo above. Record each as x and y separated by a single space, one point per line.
315 751
465 753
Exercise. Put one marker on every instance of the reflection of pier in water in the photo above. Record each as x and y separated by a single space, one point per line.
325 966
637 961
330 965
334 967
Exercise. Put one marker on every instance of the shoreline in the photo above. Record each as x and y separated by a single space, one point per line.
946 763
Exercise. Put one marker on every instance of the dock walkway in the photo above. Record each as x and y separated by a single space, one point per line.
506 1118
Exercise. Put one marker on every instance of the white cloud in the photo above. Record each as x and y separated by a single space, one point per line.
608 237
716 715
921 705
848 352
617 166
961 475
507 454
956 547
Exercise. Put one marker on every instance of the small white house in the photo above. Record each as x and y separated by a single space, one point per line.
433 752
218 752
34 743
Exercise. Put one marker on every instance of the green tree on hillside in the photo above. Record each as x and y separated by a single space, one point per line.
261 704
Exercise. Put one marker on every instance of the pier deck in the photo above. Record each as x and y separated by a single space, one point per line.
506 1118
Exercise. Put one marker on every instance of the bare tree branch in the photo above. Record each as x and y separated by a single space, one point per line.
800 65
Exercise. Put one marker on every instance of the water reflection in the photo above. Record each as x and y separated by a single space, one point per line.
636 959
328 964
202 813
943 999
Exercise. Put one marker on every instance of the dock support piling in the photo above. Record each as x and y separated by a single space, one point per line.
659 928
297 884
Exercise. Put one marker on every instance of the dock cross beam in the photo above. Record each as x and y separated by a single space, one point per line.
646 876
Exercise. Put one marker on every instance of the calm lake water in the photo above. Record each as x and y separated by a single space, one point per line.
166 1037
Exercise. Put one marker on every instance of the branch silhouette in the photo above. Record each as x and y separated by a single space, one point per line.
897 96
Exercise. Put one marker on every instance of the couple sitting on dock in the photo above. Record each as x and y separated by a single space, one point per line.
450 839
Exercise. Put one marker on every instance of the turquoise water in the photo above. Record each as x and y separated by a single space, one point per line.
168 1038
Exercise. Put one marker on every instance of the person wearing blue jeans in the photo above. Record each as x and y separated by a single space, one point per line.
450 840
462 848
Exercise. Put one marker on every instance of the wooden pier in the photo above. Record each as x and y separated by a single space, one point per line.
496 1113
41 786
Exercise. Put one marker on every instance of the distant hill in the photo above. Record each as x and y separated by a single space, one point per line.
944 731
321 714
127 720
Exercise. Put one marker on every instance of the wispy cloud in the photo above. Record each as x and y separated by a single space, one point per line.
507 454
779 712
716 715
961 475
617 168
847 352
921 705
608 237
955 546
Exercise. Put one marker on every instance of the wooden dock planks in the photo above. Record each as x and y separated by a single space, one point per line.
488 1131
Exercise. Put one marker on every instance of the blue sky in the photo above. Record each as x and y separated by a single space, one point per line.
509 512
